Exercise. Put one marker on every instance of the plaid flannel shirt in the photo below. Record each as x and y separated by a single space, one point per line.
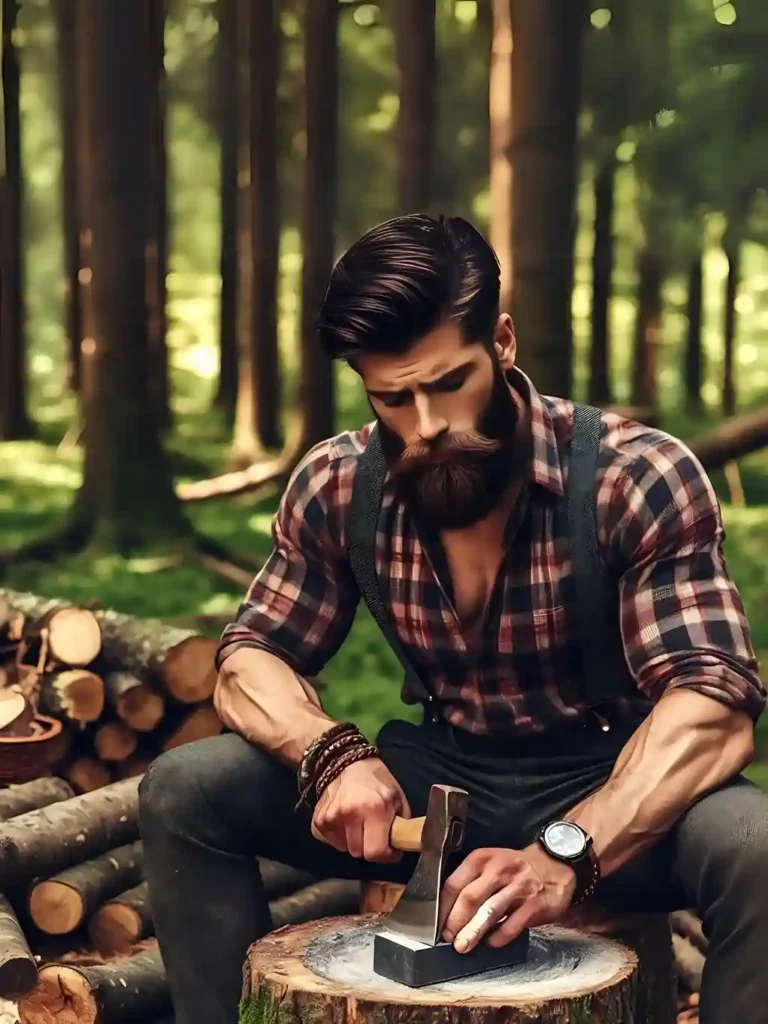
660 535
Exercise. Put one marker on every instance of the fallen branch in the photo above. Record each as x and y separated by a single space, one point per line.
31 796
736 438
18 970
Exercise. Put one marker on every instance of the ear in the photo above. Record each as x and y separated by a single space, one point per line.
504 342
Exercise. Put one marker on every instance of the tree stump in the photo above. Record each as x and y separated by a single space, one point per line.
322 971
649 935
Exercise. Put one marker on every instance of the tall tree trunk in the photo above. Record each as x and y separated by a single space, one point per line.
265 222
417 60
733 252
602 277
226 393
546 79
157 236
64 12
694 350
647 329
321 63
14 418
500 107
245 442
127 497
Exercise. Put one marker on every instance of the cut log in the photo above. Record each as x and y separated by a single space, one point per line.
18 970
122 921
60 904
73 635
133 701
181 659
131 989
114 741
86 774
30 796
199 724
322 971
16 713
135 765
40 843
690 963
326 898
281 880
75 694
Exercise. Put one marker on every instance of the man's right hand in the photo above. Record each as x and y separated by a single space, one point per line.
355 813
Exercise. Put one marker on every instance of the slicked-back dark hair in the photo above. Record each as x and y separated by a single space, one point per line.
404 278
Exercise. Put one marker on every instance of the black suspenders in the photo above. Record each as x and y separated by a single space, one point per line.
595 599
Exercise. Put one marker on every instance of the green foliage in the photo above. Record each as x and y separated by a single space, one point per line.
260 1009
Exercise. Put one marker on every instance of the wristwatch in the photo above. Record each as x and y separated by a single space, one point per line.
568 842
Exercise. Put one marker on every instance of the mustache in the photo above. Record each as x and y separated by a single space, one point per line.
422 454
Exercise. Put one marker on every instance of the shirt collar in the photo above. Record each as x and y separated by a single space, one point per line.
545 463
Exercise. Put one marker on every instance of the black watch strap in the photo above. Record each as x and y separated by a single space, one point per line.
586 867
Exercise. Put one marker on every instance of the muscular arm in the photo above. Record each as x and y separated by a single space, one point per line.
296 614
688 746
687 643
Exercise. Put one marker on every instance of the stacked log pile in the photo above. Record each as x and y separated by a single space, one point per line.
76 929
115 691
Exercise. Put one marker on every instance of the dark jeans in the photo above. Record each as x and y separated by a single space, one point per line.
207 809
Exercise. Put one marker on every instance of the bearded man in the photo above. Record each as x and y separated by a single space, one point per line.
586 775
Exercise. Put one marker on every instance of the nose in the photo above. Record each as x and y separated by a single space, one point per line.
429 425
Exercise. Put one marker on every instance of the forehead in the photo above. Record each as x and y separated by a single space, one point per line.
427 359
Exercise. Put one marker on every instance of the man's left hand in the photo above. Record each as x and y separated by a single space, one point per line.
499 892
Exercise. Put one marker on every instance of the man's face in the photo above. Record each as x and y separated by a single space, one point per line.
447 422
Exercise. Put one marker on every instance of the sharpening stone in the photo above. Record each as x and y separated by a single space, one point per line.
416 964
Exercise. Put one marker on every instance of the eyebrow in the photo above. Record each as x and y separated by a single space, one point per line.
426 386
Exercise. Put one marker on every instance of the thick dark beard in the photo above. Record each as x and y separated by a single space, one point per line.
460 479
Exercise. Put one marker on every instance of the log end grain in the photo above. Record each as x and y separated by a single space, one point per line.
201 723
114 741
55 907
61 996
86 774
74 636
18 970
115 928
188 669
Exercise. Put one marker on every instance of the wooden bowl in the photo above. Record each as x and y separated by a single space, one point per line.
23 758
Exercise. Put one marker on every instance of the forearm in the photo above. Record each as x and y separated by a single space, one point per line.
688 746
263 699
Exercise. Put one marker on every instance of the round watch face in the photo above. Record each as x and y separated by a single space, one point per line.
565 840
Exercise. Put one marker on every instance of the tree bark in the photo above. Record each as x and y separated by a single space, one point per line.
127 497
15 423
128 989
64 12
321 64
226 394
18 970
733 254
45 841
265 222
546 79
277 972
31 796
325 898
602 277
500 102
157 233
416 128
60 904
647 329
122 921
694 349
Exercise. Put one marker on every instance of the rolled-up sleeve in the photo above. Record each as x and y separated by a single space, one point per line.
302 603
682 620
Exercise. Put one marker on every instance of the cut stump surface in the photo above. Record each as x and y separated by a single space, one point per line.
322 971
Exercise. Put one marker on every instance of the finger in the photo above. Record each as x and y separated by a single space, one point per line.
468 902
376 840
489 916
353 831
515 922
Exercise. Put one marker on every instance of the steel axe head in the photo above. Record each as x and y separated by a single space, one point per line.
418 911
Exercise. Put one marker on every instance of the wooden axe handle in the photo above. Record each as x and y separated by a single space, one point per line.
406 834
